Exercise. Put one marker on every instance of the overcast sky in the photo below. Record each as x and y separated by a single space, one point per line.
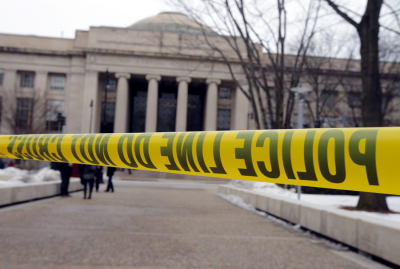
56 17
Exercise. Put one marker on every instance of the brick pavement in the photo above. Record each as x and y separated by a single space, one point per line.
151 227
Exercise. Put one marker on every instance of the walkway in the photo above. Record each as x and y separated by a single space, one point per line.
153 225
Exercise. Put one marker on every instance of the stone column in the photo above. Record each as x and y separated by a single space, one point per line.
182 103
152 103
9 100
90 94
241 110
121 104
210 123
40 104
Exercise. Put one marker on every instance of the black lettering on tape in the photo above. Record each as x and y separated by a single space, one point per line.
102 150
218 169
184 151
167 152
309 174
73 147
368 158
146 141
129 150
199 152
245 153
338 137
60 156
273 153
44 148
286 154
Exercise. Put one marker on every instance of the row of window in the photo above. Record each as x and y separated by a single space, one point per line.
27 80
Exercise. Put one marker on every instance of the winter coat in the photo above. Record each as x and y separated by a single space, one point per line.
110 171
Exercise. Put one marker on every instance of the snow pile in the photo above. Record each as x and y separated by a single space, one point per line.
12 176
335 201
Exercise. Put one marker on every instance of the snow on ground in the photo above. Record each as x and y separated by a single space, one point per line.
335 201
12 176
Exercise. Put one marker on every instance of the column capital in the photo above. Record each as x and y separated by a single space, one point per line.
213 80
187 79
156 77
123 75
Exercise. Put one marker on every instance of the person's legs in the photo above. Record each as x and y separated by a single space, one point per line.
63 184
97 183
85 182
110 183
67 185
91 183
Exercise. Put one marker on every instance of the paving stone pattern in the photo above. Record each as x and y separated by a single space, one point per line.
151 227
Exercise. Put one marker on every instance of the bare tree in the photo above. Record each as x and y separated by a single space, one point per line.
372 113
257 37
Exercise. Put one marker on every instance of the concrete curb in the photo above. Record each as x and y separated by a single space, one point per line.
34 191
362 232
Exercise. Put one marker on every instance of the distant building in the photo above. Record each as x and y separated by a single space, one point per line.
161 79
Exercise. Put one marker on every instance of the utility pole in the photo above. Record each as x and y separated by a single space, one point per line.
91 115
302 93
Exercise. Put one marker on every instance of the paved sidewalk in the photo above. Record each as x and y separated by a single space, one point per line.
152 226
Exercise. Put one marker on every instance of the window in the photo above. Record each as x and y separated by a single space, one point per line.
24 113
1 76
54 107
57 82
328 99
224 93
224 119
112 85
27 80
354 99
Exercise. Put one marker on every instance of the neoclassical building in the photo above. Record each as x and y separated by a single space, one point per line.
157 75
144 78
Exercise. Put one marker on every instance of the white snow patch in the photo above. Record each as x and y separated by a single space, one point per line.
12 176
335 201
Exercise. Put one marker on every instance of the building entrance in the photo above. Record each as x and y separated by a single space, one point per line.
195 108
167 106
138 89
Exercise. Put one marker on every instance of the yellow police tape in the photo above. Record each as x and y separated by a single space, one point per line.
359 159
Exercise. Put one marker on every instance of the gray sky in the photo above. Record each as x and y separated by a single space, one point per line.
51 17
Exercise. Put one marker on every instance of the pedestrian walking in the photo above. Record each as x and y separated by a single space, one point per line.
66 172
110 174
88 174
99 177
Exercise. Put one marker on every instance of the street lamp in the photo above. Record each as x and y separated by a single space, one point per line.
302 93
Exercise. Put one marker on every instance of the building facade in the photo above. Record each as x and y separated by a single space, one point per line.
157 75
143 78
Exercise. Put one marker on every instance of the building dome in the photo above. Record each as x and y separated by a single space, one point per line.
170 22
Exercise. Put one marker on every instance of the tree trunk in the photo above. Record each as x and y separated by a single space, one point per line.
368 31
372 201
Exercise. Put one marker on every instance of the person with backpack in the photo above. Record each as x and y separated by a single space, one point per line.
110 173
88 174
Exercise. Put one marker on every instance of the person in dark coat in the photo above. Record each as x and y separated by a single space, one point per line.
99 177
66 172
110 174
88 174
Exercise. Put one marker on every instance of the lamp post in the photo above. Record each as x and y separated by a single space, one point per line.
104 107
302 93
